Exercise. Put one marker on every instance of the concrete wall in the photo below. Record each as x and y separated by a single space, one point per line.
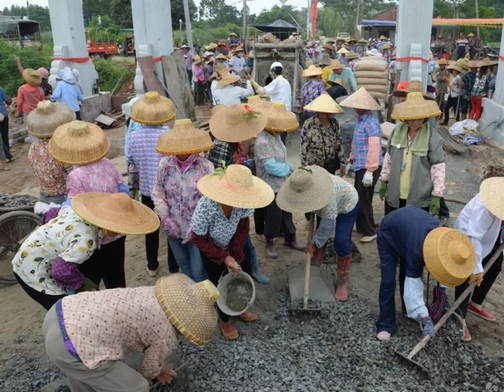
94 105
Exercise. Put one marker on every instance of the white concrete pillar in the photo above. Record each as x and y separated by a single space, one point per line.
414 25
499 83
153 34
67 24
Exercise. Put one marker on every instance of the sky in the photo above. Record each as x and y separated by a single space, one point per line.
255 6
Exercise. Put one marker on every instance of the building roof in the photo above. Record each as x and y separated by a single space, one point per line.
390 14
282 23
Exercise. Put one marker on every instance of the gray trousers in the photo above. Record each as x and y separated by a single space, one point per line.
111 377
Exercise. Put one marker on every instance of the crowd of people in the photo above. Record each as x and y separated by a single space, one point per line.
202 188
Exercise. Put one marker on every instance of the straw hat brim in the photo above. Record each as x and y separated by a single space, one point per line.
35 82
159 112
324 104
492 195
190 141
438 256
259 195
43 124
312 72
96 208
189 306
455 68
314 199
281 121
404 93
227 79
89 148
220 128
361 99
334 66
409 111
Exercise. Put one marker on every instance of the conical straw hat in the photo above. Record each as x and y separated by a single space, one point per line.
236 187
307 189
189 306
227 78
153 109
492 195
237 122
32 77
361 99
184 139
280 119
78 143
343 50
312 71
449 256
115 212
48 116
324 104
415 107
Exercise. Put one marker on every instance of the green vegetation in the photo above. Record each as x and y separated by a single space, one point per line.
113 74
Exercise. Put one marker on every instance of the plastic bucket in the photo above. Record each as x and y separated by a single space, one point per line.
237 287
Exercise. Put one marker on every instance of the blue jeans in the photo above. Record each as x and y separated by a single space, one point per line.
343 234
188 258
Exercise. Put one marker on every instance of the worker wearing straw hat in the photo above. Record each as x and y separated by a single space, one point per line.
351 58
414 165
88 335
362 46
417 240
233 40
337 89
329 50
51 174
30 93
468 82
479 91
344 73
188 57
366 158
220 226
237 62
311 89
342 55
325 63
198 80
481 220
228 91
175 194
491 75
442 81
84 146
49 264
335 202
352 44
321 142
454 91
272 167
153 112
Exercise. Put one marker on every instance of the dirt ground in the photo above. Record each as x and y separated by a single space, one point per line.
20 329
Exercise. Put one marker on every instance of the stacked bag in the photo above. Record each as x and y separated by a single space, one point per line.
372 74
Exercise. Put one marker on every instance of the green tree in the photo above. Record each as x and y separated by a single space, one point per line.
287 12
6 11
120 11
329 22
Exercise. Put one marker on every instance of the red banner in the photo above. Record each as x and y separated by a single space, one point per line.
314 17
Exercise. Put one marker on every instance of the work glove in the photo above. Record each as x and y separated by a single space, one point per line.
476 278
368 179
349 167
427 326
383 189
434 206
88 285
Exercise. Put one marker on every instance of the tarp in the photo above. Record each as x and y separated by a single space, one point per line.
280 28
440 22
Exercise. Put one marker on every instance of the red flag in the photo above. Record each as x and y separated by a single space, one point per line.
314 17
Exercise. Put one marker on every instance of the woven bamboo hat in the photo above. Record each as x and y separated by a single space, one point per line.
492 195
189 306
415 107
235 186
362 41
385 46
474 64
196 59
325 59
352 56
337 81
184 139
449 256
153 109
232 34
443 61
487 62
32 77
335 64
454 67
237 122
352 39
212 46
361 99
220 56
312 70
470 35
382 37
216 108
227 79
307 189
116 212
280 119
328 47
414 86
258 104
48 116
78 143
463 63
324 104
343 50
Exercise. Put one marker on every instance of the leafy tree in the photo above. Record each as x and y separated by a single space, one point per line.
276 12
120 11
329 22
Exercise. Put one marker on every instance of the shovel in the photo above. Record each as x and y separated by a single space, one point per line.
468 291
310 282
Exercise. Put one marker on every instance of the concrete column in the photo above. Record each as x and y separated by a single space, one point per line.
492 120
67 26
414 25
153 34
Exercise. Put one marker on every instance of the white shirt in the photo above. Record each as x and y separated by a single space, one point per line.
280 91
481 226
214 87
237 63
231 94
455 90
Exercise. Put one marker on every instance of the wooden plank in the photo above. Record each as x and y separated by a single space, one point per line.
151 81
177 84
104 119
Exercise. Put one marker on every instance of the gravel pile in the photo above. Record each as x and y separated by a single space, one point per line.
24 374
331 350
16 201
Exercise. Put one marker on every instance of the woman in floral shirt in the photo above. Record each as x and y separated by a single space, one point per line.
175 193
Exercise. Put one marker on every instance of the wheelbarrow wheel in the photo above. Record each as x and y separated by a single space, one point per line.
14 228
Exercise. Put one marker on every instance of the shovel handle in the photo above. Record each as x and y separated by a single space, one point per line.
308 264
455 305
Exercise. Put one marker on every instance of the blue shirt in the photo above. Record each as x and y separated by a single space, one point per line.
366 126
3 98
348 78
69 94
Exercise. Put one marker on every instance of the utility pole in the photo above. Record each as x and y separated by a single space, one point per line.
244 36
477 17
188 24
308 22
28 10
358 17
181 33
